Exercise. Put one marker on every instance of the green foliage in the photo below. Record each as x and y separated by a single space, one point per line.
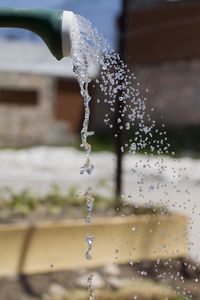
23 202
55 200
73 197
70 203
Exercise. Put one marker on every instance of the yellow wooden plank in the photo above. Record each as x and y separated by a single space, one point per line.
56 246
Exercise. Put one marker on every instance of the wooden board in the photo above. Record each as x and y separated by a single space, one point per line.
57 246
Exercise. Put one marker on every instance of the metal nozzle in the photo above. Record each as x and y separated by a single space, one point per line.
53 26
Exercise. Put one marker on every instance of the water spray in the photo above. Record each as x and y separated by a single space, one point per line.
53 26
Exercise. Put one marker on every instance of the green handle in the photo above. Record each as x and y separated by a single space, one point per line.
46 23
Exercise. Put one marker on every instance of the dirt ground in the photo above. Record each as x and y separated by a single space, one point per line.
174 278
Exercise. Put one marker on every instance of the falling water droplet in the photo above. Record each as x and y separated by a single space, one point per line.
90 288
89 241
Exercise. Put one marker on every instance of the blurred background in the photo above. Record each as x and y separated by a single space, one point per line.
41 115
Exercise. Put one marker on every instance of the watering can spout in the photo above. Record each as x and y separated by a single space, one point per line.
53 26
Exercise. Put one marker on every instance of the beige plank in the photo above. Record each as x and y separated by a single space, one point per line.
56 246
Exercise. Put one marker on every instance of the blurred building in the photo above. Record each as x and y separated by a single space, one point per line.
39 97
162 45
40 102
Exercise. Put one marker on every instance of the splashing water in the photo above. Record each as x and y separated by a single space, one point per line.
90 288
89 238
116 84
89 203
90 242
86 49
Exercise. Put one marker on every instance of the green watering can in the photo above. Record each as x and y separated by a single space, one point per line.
53 26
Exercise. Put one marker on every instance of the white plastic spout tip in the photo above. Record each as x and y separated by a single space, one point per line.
68 17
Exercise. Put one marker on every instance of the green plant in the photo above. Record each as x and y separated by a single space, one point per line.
70 204
55 199
73 198
23 202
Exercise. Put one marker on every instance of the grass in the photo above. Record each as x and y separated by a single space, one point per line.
56 203
23 202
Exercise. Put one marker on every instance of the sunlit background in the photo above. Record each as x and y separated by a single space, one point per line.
41 115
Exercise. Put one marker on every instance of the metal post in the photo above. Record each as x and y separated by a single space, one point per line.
119 108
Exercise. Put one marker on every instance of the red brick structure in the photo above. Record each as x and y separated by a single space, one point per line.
162 46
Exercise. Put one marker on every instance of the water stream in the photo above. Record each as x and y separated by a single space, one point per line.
116 83
86 49
89 203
